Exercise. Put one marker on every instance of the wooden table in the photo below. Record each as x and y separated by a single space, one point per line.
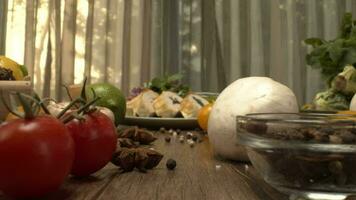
199 175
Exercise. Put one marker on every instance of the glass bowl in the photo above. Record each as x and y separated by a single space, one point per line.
306 155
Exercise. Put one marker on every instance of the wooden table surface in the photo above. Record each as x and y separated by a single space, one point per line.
198 175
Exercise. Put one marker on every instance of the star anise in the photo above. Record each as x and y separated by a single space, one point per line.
127 142
141 158
139 135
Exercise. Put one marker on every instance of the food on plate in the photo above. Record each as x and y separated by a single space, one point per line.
203 116
11 70
167 104
246 95
142 105
110 97
191 104
165 97
36 154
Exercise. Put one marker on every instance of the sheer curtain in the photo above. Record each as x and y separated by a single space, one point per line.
127 42
265 38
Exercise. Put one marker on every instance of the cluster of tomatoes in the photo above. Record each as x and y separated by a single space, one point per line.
38 153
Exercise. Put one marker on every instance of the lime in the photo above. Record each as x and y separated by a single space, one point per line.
16 69
110 97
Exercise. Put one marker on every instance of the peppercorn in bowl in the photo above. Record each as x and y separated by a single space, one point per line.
309 155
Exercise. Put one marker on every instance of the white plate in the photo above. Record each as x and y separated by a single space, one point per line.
156 122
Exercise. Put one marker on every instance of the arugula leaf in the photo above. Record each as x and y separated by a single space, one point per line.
346 25
336 50
315 42
174 77
168 83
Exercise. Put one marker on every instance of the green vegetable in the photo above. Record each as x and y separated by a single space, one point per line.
171 83
345 82
24 70
331 100
332 56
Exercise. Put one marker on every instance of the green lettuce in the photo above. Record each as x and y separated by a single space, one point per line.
345 82
331 100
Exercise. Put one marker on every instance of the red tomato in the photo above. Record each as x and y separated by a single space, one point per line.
95 142
36 156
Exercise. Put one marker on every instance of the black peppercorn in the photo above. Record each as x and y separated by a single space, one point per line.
171 164
181 139
167 139
259 128
191 143
335 167
195 138
189 135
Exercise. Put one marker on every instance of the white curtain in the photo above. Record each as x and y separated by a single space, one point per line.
127 42
265 38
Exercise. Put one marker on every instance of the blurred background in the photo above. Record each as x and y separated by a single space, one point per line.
128 42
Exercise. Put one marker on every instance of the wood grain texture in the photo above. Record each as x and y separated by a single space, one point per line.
198 175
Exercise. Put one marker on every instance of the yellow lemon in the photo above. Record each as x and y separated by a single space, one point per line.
11 116
20 110
18 71
349 115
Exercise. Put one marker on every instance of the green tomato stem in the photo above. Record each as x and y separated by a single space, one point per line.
26 106
68 93
83 110
82 93
69 106
12 111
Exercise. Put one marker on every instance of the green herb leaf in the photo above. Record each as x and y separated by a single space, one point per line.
346 25
168 82
174 77
315 42
332 56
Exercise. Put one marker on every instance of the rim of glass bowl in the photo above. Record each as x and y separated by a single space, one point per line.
312 120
